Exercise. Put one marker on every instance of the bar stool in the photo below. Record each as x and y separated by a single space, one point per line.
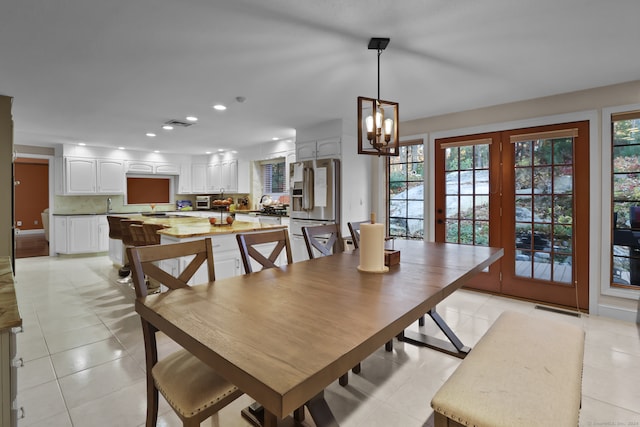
151 233
127 241
115 232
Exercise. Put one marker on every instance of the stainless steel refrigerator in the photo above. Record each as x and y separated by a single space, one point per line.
314 187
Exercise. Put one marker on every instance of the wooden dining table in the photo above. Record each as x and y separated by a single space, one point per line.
282 335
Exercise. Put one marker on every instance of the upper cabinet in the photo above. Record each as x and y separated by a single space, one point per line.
110 178
229 175
322 149
198 178
91 176
146 167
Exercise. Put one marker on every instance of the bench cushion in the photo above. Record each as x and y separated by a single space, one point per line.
525 371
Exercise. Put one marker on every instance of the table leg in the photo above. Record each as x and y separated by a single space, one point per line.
318 409
454 347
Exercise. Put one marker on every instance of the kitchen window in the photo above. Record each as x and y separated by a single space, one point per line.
149 189
274 176
405 184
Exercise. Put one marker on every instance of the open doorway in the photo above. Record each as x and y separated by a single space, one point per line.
31 207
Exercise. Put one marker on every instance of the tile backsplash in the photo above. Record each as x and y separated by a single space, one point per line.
70 205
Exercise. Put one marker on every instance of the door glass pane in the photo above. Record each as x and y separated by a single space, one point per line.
625 203
544 210
467 194
452 186
451 235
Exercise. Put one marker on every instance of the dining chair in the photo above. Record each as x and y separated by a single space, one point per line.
325 239
255 246
354 229
192 388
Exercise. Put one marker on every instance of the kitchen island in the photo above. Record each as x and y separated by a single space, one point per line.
227 259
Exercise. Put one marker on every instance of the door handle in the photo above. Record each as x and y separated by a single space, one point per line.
440 221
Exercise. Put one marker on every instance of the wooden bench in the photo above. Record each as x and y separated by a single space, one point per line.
525 371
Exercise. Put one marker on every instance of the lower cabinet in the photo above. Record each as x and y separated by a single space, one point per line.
78 234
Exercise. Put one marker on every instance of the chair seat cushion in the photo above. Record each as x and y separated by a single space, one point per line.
190 386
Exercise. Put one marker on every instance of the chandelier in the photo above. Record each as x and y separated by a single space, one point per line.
378 130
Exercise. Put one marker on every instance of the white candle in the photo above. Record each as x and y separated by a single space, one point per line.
372 248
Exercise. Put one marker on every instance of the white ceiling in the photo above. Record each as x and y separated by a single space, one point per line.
107 72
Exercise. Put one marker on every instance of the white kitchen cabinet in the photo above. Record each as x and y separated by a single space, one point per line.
135 166
184 179
110 178
245 217
166 169
103 233
214 177
229 174
80 176
79 234
147 167
60 233
82 234
321 149
305 151
93 176
199 178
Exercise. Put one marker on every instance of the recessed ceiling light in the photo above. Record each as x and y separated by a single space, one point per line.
219 107
150 134
82 143
156 151
234 152
167 127
220 150
207 152
120 148
275 138
191 118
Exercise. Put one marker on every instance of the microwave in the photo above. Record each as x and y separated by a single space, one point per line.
203 202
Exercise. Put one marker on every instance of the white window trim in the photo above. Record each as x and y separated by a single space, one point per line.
605 278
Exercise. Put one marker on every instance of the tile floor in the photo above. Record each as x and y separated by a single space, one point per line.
84 358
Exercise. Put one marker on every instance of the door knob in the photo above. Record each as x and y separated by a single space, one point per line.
440 221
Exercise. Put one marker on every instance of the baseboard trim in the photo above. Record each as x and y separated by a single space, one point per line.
20 232
619 313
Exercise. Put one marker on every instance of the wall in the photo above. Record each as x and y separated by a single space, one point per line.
6 176
552 109
32 192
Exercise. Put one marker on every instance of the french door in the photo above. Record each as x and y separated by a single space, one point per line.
527 191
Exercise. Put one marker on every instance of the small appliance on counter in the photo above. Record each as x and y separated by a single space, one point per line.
203 202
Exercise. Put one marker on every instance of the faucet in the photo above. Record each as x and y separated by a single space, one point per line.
108 204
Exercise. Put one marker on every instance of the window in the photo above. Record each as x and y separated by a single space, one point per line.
274 176
148 190
625 200
405 179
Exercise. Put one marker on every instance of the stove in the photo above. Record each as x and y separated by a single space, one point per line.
274 210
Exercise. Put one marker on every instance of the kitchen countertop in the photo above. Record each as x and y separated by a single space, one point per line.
183 227
9 315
